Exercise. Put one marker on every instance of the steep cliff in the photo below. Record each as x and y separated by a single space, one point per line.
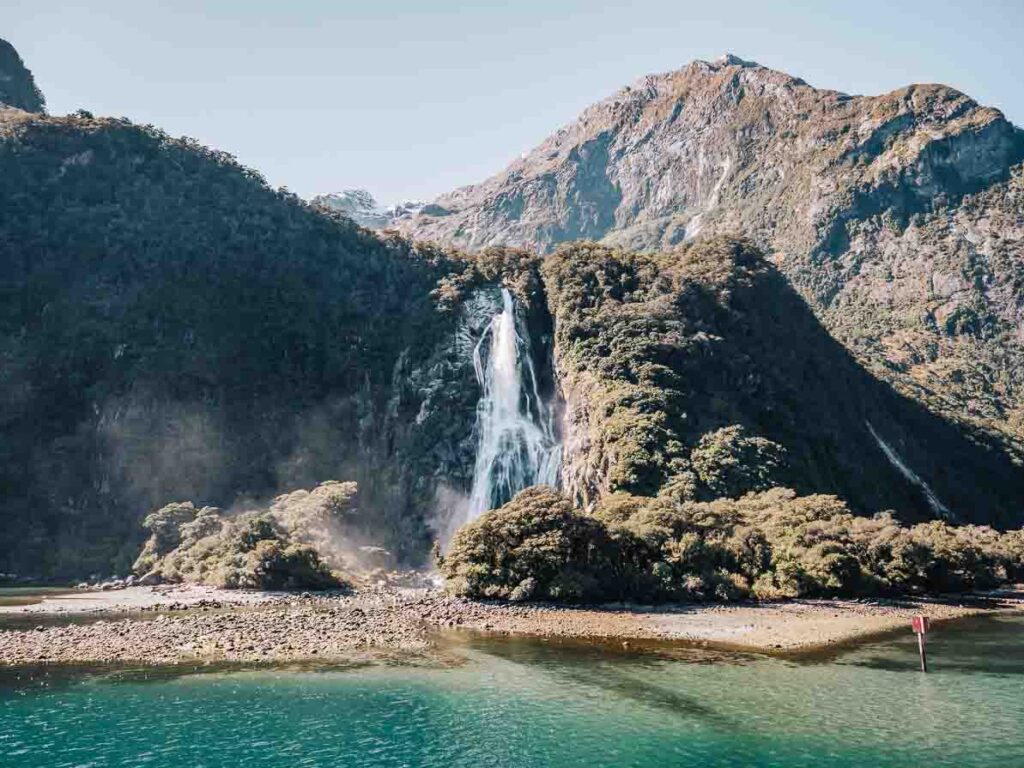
361 206
899 218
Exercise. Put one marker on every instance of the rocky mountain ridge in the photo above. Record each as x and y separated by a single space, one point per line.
361 206
899 218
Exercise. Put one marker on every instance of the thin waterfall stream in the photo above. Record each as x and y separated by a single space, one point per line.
936 505
517 445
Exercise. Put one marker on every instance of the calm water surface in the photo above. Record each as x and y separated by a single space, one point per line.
30 595
527 703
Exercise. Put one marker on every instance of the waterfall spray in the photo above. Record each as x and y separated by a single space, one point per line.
516 442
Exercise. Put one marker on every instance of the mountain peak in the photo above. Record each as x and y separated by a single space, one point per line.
17 86
878 209
731 59
362 207
357 204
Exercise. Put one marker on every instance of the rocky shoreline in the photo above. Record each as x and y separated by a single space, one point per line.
200 624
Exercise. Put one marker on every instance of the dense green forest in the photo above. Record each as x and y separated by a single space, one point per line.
700 368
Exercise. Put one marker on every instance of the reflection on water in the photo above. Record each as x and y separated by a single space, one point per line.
980 645
534 703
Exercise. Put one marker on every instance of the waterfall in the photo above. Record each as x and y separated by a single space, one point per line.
937 506
516 442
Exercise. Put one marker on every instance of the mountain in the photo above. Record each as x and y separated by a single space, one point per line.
17 86
172 329
700 372
899 218
356 204
361 207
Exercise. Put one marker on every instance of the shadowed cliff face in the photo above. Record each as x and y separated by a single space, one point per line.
17 87
899 218
172 329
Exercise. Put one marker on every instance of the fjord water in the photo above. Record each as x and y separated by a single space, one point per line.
528 703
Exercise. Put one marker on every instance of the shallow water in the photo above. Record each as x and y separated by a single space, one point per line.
30 595
527 703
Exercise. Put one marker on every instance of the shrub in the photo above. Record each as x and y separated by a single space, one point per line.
729 462
691 551
272 564
288 546
166 526
770 544
1014 543
535 547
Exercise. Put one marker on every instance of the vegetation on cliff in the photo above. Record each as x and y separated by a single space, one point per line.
769 544
702 370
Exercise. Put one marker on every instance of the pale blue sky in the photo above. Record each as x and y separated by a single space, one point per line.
410 99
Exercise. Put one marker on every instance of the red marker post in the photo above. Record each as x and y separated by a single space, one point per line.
920 625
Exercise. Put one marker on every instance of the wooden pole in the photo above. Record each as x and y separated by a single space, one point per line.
920 648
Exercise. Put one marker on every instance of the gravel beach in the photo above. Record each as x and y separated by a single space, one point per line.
169 625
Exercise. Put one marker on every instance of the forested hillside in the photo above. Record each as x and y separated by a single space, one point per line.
701 370
171 328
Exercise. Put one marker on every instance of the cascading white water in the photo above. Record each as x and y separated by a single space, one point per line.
937 506
516 442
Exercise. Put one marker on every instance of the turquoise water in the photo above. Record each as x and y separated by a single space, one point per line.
527 703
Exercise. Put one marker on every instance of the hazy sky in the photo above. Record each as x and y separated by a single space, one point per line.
409 99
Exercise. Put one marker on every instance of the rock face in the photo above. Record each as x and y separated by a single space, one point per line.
899 218
17 87
356 204
361 207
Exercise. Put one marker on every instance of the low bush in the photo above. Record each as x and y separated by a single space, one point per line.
290 545
536 547
768 545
